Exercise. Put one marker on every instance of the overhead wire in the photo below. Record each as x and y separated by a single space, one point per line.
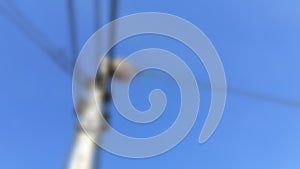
267 97
111 54
107 78
264 97
96 4
72 29
33 33
97 14
112 33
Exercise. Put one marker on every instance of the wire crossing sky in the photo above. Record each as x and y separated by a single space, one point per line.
258 42
28 26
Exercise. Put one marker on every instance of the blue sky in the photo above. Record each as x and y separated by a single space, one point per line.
258 42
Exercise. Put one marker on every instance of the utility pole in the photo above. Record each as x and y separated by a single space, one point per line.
84 150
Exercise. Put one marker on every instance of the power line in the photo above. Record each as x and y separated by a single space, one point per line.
257 95
111 55
14 14
237 91
112 32
17 17
72 29
97 26
265 97
97 14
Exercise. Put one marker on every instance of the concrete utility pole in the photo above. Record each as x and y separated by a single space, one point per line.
84 149
83 154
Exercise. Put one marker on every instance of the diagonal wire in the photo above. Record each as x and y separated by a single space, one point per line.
266 97
14 14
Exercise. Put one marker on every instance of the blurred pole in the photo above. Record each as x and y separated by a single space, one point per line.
85 147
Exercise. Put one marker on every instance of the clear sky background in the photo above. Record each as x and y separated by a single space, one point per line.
258 42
